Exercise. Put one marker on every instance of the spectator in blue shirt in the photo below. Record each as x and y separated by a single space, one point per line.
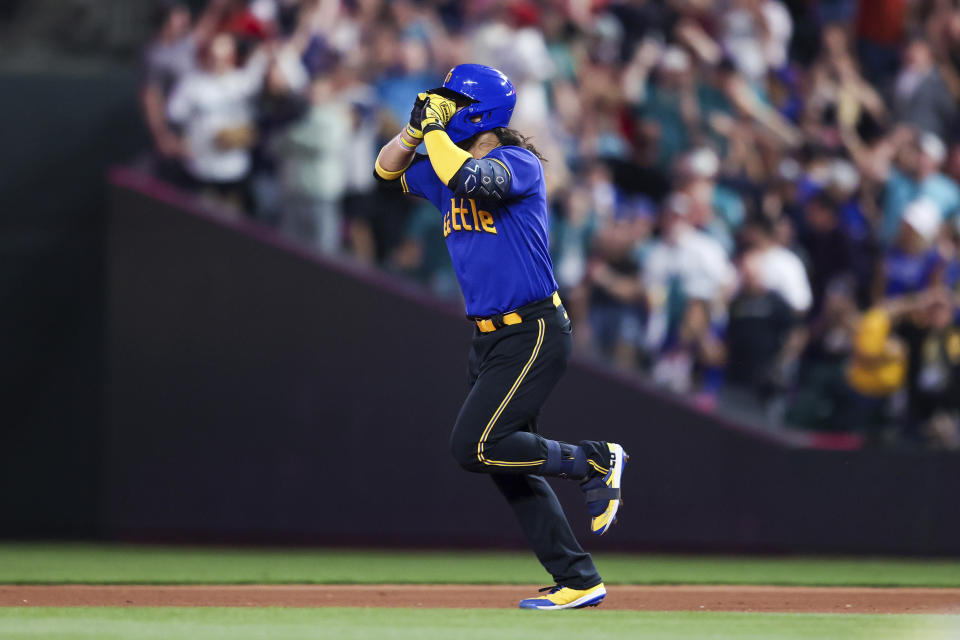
913 264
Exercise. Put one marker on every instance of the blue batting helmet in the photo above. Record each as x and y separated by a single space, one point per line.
490 97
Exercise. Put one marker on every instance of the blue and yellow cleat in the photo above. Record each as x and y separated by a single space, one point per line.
558 597
603 493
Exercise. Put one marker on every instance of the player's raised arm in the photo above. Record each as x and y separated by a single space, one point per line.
396 155
446 158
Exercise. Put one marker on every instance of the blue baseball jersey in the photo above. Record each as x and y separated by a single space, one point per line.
500 249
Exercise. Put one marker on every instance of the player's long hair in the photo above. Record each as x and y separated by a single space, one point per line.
508 137
513 138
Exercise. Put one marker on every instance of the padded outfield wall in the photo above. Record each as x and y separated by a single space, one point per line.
61 131
256 393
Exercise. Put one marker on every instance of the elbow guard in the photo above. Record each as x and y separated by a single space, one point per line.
483 179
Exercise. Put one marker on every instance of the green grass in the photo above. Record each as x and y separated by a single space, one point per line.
128 564
462 624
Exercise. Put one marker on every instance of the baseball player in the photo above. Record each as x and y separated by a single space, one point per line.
487 180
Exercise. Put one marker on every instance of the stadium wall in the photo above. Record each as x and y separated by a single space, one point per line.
255 393
61 131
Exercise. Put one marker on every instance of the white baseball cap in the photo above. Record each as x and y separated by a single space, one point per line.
924 216
933 146
844 176
674 60
702 163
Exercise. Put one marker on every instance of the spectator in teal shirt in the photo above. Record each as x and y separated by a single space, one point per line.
680 107
917 175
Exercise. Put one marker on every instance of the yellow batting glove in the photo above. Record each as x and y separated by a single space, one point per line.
437 112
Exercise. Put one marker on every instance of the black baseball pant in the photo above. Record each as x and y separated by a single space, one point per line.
511 372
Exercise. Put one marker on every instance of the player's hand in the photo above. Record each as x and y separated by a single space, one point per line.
416 117
437 112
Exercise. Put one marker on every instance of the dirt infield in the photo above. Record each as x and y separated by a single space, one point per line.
633 598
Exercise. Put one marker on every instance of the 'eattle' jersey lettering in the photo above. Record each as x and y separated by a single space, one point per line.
458 218
500 249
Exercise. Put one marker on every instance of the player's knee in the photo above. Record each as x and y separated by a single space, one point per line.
464 451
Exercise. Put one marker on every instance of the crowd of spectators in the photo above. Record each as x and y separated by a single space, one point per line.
754 202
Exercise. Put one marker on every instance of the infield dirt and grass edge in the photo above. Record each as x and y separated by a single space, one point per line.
253 582
743 598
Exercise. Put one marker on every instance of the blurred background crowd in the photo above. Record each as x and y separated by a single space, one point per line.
755 202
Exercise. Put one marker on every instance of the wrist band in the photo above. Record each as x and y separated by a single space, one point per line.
406 144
